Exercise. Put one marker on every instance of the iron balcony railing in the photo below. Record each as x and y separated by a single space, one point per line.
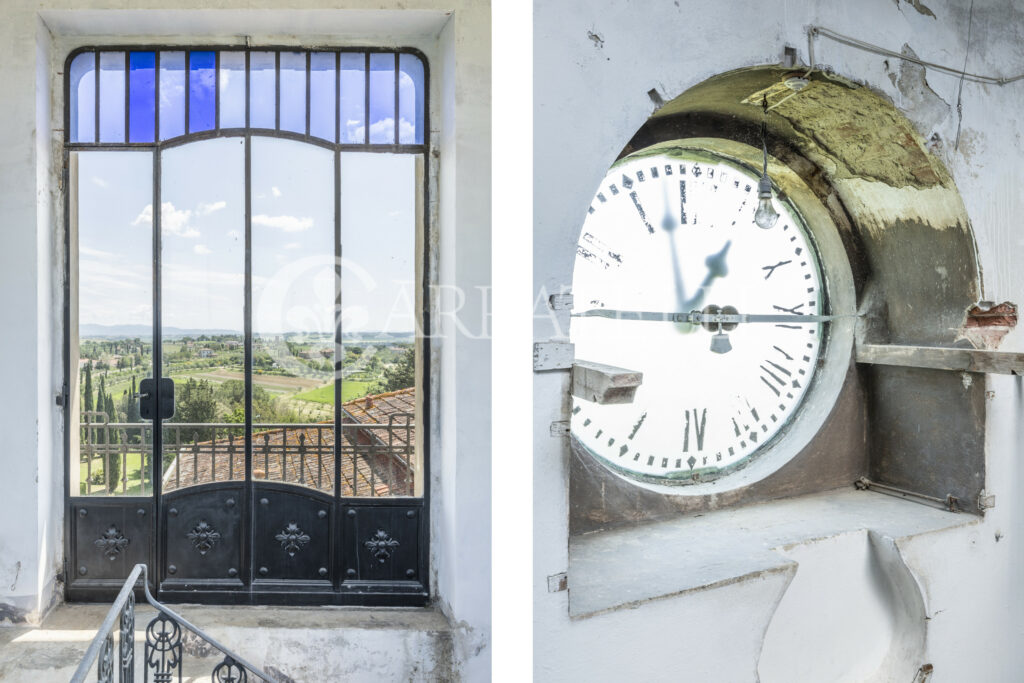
163 653
376 459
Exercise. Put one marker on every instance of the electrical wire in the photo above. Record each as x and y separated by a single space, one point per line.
960 90
764 134
813 31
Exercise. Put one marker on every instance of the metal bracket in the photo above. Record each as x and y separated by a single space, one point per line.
558 582
553 355
941 358
560 428
560 302
604 384
986 500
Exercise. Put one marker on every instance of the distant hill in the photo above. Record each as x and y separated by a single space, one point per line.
94 330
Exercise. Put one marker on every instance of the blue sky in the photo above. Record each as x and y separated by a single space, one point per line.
202 222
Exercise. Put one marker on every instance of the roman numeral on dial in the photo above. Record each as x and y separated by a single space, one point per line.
698 425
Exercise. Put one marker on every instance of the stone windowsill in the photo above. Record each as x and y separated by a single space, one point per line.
625 568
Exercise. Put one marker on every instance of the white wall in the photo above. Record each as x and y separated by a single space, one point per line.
595 62
35 37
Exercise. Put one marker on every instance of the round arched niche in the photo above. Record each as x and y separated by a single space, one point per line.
915 274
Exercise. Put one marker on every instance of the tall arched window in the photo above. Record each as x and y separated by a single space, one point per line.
245 359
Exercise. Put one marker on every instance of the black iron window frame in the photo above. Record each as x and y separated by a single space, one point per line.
423 372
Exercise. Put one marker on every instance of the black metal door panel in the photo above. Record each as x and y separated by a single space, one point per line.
109 537
382 546
203 537
292 537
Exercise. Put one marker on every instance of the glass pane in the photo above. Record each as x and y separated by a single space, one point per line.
410 100
82 86
262 88
353 97
293 91
202 230
382 98
142 90
112 192
202 95
232 89
111 97
172 94
378 323
293 300
322 84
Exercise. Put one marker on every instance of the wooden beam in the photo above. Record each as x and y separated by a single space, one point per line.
942 358
604 384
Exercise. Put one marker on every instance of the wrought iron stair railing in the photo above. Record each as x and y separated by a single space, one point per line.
162 660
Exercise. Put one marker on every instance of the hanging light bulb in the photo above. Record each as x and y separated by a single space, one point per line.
765 216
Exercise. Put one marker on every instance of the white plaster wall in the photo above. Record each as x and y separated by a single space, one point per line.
590 97
35 37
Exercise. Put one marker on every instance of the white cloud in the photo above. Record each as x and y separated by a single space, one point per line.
382 130
99 181
292 245
172 221
201 249
286 223
205 209
276 192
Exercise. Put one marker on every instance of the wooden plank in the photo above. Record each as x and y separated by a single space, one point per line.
941 358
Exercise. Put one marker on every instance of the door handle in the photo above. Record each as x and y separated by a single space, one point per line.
148 394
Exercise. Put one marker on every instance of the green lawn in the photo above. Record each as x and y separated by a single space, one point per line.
349 390
134 483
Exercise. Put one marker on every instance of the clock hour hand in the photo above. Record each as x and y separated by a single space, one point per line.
716 268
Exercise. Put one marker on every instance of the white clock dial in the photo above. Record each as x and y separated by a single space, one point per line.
676 234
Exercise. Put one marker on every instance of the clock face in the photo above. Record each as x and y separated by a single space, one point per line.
674 232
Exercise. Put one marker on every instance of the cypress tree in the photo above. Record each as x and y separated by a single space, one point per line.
88 387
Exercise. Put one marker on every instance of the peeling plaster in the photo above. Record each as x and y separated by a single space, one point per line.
921 104
917 5
878 205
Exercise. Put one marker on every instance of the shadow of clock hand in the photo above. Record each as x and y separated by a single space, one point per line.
716 268
669 225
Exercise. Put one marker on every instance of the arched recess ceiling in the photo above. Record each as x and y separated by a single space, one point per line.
906 227
914 262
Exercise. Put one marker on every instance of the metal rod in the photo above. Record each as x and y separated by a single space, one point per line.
698 318
950 502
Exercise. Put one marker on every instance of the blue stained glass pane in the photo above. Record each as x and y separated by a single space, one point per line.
111 97
232 89
353 97
382 98
321 95
172 94
202 91
410 100
142 94
82 85
262 88
293 91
